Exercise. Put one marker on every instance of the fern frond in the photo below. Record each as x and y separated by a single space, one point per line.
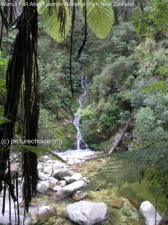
130 166
55 18
100 17
37 150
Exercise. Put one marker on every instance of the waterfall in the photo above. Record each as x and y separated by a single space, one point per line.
80 143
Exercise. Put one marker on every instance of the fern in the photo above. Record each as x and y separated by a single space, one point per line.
56 19
37 150
100 17
130 166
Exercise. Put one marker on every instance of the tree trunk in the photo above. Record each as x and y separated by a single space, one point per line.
122 134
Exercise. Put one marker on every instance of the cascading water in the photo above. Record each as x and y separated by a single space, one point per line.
80 143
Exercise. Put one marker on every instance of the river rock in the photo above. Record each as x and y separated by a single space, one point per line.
62 183
78 195
53 180
43 186
59 174
45 212
117 203
48 170
86 213
67 179
42 176
76 176
149 212
71 188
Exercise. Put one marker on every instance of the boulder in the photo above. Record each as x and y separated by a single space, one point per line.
59 174
86 213
42 176
76 176
67 179
149 213
45 212
48 170
43 186
71 188
62 183
53 180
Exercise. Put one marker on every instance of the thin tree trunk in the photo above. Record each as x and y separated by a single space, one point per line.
122 134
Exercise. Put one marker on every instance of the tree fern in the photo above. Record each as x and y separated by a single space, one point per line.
55 19
100 17
130 166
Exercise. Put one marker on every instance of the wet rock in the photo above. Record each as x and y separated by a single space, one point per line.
43 186
134 203
45 212
117 203
57 188
149 213
67 179
62 183
42 176
71 188
48 170
132 221
78 195
53 180
87 213
126 212
59 174
76 176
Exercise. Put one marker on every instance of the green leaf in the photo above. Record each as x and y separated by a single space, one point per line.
100 17
4 120
56 27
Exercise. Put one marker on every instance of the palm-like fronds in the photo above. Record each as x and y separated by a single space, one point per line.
100 17
56 18
99 14
130 166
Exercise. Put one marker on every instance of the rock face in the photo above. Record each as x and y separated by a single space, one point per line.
86 213
148 211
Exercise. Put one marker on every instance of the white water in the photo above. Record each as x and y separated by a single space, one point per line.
80 143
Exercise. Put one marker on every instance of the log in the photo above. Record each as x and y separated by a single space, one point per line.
122 134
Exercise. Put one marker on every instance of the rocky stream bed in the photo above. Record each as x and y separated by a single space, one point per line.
76 193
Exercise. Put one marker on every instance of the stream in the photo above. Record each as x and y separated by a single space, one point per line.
102 190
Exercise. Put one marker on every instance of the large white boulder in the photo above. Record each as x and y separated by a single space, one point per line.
43 186
71 188
149 213
42 176
76 176
86 212
53 180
